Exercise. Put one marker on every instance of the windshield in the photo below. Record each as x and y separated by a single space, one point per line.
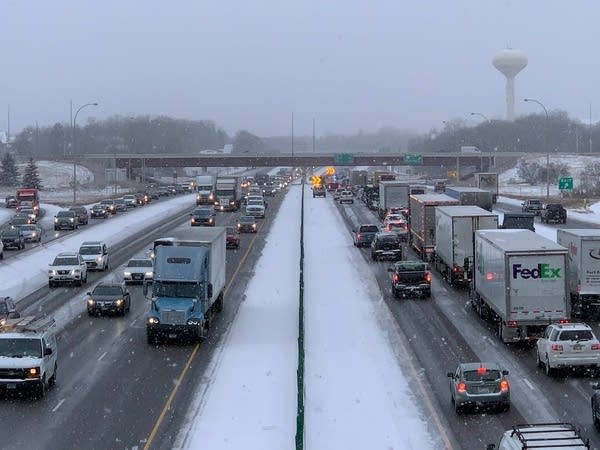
487 375
224 192
203 213
246 219
369 229
107 290
205 188
15 348
90 250
10 233
387 238
176 289
255 203
139 263
3 308
576 335
65 214
29 228
64 261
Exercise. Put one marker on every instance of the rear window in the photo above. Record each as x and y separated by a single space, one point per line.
140 263
388 238
369 229
487 375
411 266
576 335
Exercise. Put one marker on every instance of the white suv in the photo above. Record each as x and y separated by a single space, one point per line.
95 255
28 356
568 345
67 267
346 197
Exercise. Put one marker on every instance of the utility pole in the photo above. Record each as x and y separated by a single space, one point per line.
8 127
313 134
590 127
292 140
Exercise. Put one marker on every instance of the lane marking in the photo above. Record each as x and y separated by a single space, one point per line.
188 363
102 356
59 405
132 323
528 383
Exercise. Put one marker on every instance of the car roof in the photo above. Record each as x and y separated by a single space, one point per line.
476 365
247 217
68 254
86 243
109 283
572 326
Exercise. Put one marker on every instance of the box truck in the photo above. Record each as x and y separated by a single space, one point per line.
519 283
422 221
471 196
455 228
583 269
488 181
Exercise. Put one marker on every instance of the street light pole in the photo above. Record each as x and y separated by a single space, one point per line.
545 144
487 120
74 124
480 115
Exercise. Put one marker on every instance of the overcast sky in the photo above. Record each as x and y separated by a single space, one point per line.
249 64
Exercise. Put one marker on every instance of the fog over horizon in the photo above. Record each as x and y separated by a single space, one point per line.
350 65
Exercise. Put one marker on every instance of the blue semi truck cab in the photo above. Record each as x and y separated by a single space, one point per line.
188 285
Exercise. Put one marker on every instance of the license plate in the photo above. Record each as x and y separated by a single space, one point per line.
577 347
483 390
137 277
11 385
172 335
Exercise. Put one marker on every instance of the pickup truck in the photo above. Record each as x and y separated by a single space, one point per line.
553 213
532 205
411 278
319 191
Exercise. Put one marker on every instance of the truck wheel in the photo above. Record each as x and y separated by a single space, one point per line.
43 386
219 303
151 338
396 293
549 370
538 360
52 380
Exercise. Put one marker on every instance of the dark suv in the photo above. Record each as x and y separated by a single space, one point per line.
13 238
386 246
203 217
65 219
411 278
319 191
82 214
553 213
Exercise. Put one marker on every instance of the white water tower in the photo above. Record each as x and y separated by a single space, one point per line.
510 62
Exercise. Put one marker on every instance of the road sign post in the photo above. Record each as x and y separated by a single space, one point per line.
565 183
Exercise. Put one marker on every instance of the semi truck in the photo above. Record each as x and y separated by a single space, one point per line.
519 283
488 181
228 193
29 197
583 269
188 284
205 190
381 175
455 228
518 221
358 178
422 221
395 194
470 196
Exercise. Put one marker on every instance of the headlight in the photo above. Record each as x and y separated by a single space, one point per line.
55 220
210 220
253 225
148 274
193 322
127 274
153 320
2 322
34 234
119 301
51 272
33 372
239 225
210 197
75 271
99 259
71 219
91 301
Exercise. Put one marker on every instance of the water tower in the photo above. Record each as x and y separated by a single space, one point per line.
510 62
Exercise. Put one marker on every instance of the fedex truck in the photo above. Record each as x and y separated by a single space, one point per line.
520 282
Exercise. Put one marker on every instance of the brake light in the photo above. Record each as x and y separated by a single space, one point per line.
481 371
595 346
504 385
512 324
564 321
396 278
556 348
427 277
461 387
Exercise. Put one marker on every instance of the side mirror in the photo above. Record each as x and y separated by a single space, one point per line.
88 293
505 372
491 447
47 351
210 290
391 269
450 374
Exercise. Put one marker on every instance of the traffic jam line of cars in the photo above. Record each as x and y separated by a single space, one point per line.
562 346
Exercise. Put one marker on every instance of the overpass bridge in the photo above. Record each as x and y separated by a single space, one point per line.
451 161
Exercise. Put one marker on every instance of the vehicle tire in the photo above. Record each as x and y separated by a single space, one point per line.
395 293
41 390
538 360
373 257
500 330
2 255
55 229
548 370
595 419
79 282
458 409
50 284
505 407
219 303
52 380
151 338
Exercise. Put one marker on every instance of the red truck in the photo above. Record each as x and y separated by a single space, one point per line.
28 195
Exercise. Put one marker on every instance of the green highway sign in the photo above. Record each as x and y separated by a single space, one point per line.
411 158
565 183
343 158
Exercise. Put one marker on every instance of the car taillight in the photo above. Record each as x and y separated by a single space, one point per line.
427 277
504 386
556 348
461 388
358 236
396 278
564 321
512 324
595 346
